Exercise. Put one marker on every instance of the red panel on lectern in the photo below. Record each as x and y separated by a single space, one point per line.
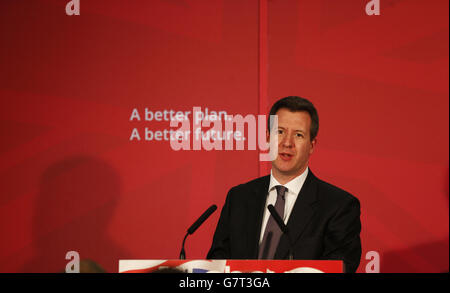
232 266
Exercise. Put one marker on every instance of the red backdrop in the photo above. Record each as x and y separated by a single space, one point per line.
71 179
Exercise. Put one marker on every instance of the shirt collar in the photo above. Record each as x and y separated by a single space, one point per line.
293 186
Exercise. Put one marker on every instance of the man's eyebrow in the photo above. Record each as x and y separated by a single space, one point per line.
297 130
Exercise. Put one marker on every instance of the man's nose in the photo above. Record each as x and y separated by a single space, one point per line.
287 141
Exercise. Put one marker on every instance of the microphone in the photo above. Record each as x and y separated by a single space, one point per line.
282 227
195 226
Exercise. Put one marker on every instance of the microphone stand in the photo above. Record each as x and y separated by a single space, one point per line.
195 226
283 228
182 252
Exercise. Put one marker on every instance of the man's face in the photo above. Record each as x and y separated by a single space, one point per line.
294 144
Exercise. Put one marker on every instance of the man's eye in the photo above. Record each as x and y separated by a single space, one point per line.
299 135
280 131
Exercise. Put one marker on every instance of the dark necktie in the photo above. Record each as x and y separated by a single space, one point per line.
272 234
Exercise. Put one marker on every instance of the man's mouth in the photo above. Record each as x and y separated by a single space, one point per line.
285 156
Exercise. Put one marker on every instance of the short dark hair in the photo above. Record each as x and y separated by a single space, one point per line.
297 104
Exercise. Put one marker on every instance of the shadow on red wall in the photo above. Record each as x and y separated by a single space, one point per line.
77 198
434 254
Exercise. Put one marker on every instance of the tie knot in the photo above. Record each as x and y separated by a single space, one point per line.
281 190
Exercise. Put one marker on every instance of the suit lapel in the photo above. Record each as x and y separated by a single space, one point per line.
301 214
255 208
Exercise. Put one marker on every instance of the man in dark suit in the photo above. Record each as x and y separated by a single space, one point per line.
323 221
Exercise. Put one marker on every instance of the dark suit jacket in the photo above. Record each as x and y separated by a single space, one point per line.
324 224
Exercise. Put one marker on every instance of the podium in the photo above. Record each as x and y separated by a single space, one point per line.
232 266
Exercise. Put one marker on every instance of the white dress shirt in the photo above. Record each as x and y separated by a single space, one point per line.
294 186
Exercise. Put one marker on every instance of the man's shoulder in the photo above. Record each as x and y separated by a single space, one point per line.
255 183
254 186
329 191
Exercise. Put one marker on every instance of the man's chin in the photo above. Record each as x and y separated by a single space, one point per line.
285 171
285 167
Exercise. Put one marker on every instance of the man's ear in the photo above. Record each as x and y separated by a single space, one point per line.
313 145
267 136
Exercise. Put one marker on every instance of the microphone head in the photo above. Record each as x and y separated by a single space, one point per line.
202 218
277 218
